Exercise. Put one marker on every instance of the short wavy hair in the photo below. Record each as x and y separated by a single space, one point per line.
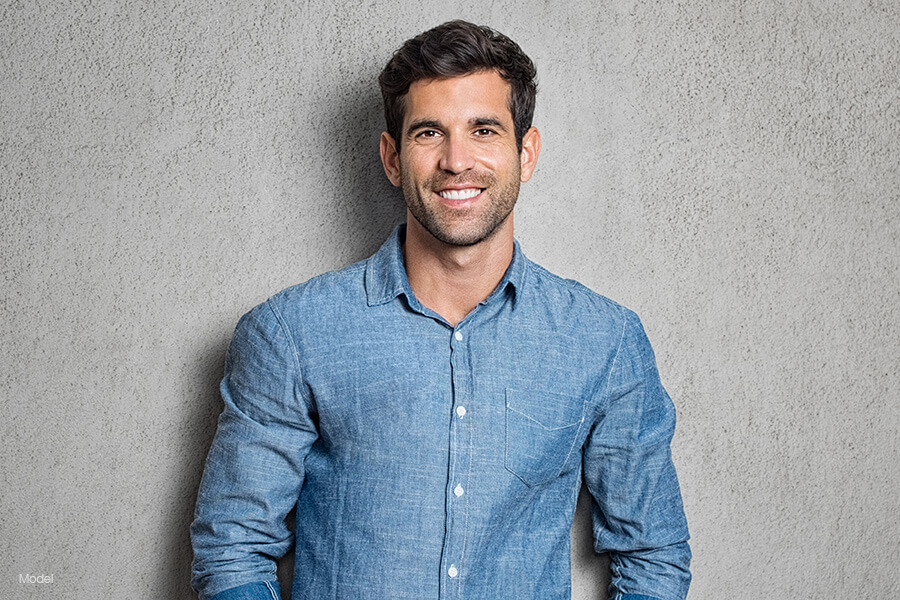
454 49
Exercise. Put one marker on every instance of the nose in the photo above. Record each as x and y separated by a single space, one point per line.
456 155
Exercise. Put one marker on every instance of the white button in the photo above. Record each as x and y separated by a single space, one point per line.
458 336
452 572
460 411
458 490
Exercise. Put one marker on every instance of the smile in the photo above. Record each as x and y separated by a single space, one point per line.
460 194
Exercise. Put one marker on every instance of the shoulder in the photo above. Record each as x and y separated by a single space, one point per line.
318 298
333 290
575 299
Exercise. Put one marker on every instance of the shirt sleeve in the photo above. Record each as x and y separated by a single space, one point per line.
255 467
260 590
637 512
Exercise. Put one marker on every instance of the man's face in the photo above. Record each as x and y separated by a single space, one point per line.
458 163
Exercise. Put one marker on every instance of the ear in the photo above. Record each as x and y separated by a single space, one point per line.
531 148
390 158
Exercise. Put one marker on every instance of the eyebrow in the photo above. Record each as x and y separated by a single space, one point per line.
432 124
489 121
422 124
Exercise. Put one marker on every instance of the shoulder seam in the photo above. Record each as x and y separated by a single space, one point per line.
295 352
284 329
615 361
571 284
294 288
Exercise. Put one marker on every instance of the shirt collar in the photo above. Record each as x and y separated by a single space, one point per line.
386 276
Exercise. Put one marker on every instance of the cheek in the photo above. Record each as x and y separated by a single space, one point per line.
504 166
417 167
410 158
500 158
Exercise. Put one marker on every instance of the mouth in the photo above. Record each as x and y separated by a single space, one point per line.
460 194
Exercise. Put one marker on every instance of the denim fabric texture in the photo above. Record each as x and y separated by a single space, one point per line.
431 461
265 590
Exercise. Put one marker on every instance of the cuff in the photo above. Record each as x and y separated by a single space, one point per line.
260 590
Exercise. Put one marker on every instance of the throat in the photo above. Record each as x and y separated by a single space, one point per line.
452 287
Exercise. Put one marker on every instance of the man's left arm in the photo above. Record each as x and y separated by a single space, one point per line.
637 510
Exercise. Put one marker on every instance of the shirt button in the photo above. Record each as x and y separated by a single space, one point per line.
458 336
460 411
452 572
458 490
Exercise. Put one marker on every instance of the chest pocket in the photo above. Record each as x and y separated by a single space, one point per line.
541 431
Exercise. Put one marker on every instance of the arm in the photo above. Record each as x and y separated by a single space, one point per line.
637 511
255 467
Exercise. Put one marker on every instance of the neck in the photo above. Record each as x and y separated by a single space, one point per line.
452 280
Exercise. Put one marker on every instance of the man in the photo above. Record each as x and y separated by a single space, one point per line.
431 412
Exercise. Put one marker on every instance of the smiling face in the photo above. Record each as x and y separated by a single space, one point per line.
458 163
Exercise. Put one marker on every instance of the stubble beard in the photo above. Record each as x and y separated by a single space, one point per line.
439 221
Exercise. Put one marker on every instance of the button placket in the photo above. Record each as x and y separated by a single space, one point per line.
460 466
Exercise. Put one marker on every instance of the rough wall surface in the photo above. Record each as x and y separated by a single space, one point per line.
727 169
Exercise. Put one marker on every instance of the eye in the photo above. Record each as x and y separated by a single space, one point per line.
484 132
427 134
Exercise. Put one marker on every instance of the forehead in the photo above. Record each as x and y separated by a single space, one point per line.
481 94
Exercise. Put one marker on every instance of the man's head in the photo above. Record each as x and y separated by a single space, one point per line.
459 100
455 49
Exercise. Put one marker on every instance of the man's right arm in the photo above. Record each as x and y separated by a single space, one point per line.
255 467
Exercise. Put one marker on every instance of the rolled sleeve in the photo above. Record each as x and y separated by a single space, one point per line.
262 590
638 516
255 467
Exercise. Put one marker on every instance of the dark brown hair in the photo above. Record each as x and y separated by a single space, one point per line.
454 49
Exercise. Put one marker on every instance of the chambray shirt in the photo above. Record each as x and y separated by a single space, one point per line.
430 461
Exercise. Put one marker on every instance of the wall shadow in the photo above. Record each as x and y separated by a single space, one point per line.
198 430
590 571
368 206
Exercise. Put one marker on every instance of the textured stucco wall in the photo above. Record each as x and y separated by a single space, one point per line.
727 169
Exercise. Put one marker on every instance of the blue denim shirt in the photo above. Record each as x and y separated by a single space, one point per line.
430 461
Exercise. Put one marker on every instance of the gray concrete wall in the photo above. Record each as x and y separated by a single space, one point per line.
727 169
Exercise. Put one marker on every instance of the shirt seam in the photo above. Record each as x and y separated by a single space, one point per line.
462 554
295 352
271 590
612 367
567 283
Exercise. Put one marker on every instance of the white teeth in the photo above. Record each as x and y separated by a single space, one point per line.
460 194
